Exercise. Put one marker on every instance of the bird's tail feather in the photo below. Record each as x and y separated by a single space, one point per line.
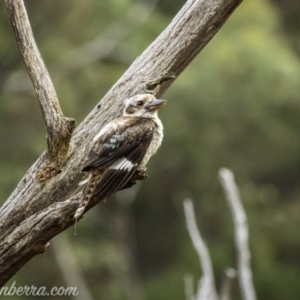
88 192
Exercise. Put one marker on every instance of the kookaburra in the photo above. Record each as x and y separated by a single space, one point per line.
122 149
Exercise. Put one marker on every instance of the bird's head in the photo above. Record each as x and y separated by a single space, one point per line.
143 105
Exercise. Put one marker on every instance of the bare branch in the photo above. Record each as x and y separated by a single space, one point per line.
28 234
189 287
67 264
230 275
241 234
41 211
59 128
104 45
206 289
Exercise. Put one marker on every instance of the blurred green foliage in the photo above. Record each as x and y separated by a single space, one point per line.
237 105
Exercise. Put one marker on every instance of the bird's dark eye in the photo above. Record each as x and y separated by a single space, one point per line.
140 103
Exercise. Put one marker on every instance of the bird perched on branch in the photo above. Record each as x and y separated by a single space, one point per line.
122 149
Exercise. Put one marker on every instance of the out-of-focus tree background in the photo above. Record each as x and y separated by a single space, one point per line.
237 105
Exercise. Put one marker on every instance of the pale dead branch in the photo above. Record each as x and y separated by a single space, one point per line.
206 288
59 128
241 234
226 289
107 44
189 287
66 261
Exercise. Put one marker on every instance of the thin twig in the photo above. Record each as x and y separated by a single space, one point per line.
68 266
189 287
230 275
206 289
241 234
59 128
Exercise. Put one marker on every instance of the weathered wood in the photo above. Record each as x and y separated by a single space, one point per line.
59 128
36 212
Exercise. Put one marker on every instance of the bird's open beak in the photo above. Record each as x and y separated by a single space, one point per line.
155 105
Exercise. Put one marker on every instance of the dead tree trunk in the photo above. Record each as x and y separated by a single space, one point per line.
42 204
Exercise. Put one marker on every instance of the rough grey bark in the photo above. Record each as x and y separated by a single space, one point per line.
59 128
38 210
